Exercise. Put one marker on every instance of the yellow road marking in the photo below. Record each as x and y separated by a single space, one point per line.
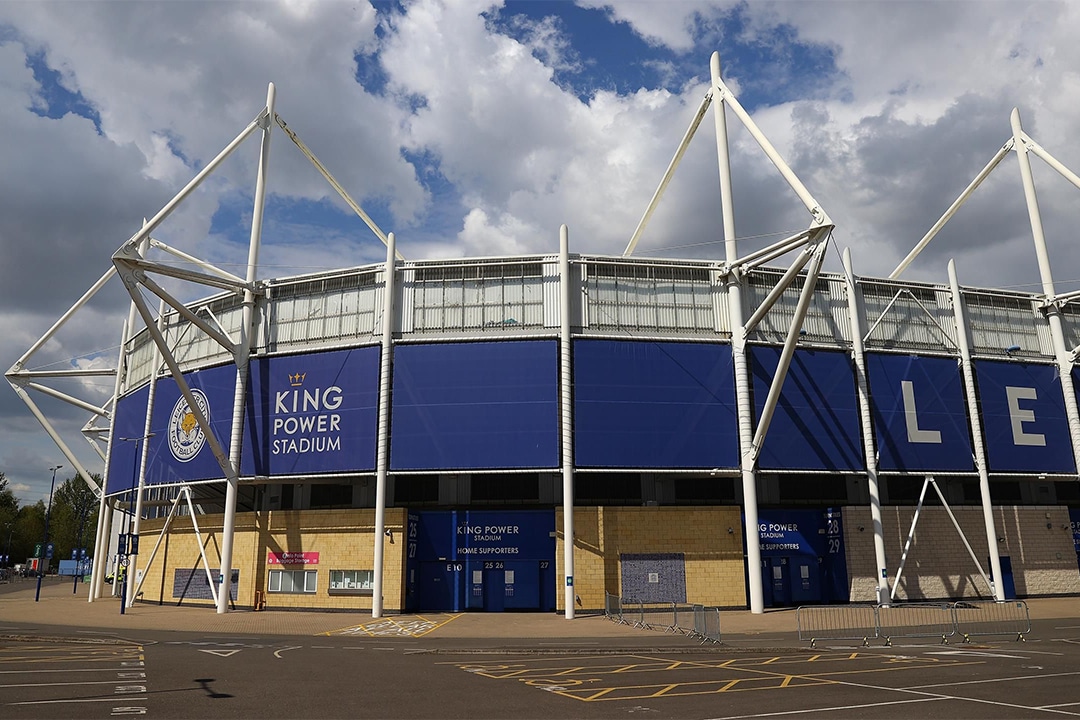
554 679
402 623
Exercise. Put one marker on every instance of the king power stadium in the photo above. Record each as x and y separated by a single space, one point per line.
540 432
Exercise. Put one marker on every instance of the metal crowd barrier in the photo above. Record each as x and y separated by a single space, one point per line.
837 622
613 608
654 616
706 624
986 617
696 621
913 620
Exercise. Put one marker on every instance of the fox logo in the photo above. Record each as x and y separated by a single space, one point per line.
186 438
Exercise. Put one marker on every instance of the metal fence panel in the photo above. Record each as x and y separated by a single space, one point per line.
655 616
683 621
987 617
706 623
916 620
839 622
613 608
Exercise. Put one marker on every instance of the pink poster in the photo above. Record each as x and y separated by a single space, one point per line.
292 558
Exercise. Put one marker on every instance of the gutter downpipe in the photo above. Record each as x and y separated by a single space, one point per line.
382 449
565 385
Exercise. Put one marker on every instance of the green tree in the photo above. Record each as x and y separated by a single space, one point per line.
29 529
9 512
74 517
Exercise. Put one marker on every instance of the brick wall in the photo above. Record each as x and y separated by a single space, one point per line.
713 556
344 540
939 566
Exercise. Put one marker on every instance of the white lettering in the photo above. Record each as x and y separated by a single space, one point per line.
318 399
332 398
914 434
1018 416
305 445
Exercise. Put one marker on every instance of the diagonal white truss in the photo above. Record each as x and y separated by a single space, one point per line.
930 481
185 493
1024 146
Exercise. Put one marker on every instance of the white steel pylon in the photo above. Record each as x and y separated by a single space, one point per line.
139 272
813 241
1052 303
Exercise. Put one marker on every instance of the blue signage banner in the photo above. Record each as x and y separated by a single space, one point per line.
475 405
654 405
484 535
312 414
1023 412
129 421
810 539
919 413
816 423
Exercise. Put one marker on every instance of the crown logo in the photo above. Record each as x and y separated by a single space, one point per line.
297 380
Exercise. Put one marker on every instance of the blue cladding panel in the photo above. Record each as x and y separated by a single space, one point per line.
475 405
310 414
179 451
923 427
130 422
654 405
816 424
1023 412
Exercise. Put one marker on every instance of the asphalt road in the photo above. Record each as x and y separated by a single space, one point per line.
65 672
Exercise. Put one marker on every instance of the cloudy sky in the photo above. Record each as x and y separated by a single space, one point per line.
476 128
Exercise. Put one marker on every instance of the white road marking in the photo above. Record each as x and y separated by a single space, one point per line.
807 711
977 653
277 653
59 684
59 702
219 653
994 680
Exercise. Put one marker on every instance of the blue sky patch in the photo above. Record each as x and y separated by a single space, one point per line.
58 100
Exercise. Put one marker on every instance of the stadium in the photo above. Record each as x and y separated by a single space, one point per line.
541 432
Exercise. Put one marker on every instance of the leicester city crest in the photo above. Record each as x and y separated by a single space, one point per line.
186 438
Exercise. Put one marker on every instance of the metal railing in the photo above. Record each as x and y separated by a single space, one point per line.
706 624
942 620
696 621
837 622
915 620
985 617
613 609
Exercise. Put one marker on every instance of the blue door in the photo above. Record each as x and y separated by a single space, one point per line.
805 580
494 586
521 582
438 587
780 581
1007 583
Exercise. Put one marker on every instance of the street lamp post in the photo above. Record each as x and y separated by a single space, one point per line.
7 551
126 546
45 541
78 551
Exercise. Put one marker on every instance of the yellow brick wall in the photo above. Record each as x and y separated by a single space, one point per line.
713 556
939 566
344 540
